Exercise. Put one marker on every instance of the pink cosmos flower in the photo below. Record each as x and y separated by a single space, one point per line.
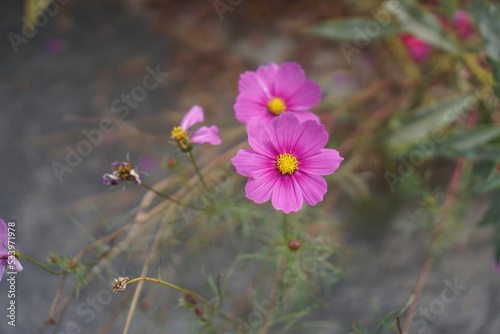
122 171
463 23
418 49
6 259
204 135
273 90
286 162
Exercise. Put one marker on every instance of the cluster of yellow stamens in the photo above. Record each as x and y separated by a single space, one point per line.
182 138
276 106
178 134
287 164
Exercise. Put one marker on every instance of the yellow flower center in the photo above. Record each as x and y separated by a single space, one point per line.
276 106
287 164
178 134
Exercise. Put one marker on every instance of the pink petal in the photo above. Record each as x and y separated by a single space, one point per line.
193 116
313 187
305 97
259 189
282 132
253 86
306 116
252 164
311 138
300 139
287 195
17 265
289 77
247 107
259 140
4 234
325 162
267 77
206 135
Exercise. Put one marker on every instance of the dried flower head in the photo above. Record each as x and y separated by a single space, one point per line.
122 171
120 284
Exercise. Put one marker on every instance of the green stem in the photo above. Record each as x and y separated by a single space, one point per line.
198 171
171 199
39 264
195 295
286 228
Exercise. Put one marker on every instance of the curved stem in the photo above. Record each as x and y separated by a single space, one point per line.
286 227
191 156
39 264
195 295
171 199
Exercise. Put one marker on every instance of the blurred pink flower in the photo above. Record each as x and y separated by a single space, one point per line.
418 49
147 163
273 90
204 135
286 162
463 23
55 45
12 263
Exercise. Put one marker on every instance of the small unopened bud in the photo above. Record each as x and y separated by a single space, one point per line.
189 299
120 284
54 259
72 264
172 163
294 244
198 311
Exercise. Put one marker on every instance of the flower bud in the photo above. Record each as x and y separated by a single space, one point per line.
294 244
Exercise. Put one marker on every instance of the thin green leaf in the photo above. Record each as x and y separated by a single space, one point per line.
488 21
492 216
423 25
357 30
466 139
492 183
428 119
495 67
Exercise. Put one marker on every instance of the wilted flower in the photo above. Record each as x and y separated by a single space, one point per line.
120 284
122 171
418 49
286 162
204 135
273 90
7 251
463 23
